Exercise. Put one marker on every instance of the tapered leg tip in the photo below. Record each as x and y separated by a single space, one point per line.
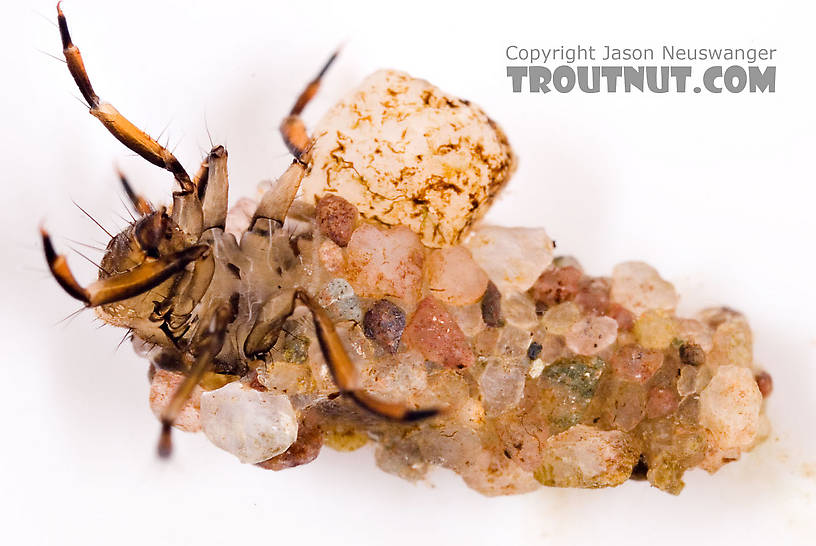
165 447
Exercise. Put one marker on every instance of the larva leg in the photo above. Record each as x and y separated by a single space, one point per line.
268 325
206 345
213 190
343 371
121 286
292 128
187 211
141 205
276 201
201 175
119 126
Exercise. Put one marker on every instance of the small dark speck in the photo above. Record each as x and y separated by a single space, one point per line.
534 350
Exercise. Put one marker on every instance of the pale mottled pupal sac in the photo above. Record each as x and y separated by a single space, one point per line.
372 310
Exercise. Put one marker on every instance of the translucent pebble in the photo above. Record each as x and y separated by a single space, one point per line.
636 364
288 378
593 295
434 332
402 378
252 425
305 449
638 287
339 299
331 256
512 257
704 375
714 316
627 405
502 384
494 475
469 318
358 346
453 446
696 332
655 329
686 383
454 277
715 457
513 342
343 438
730 407
661 401
623 316
567 261
560 318
519 310
485 342
401 458
591 335
585 457
162 388
552 347
447 388
383 262
294 345
556 285
732 344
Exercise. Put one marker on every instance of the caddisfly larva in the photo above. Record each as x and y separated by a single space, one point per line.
375 307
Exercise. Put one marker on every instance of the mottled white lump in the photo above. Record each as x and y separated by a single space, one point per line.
404 152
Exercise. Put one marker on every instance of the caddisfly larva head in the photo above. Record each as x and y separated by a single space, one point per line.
149 237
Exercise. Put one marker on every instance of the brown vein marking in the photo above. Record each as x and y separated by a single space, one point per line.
441 185
447 148
395 150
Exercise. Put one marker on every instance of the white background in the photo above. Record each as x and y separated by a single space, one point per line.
716 191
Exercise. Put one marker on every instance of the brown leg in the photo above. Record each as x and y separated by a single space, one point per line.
206 345
275 203
121 286
201 176
127 133
140 204
344 373
292 128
